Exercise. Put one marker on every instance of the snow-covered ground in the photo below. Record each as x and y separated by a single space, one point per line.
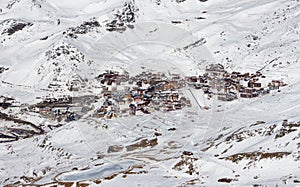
48 45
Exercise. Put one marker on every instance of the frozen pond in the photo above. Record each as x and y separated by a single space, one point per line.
93 173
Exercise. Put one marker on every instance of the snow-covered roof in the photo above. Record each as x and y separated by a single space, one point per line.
215 67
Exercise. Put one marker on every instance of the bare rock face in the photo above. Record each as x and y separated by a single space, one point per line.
187 163
123 18
13 26
84 28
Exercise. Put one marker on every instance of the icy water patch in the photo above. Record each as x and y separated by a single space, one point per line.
93 173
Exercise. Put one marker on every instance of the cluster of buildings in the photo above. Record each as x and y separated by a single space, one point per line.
145 92
59 113
148 92
124 95
229 86
59 108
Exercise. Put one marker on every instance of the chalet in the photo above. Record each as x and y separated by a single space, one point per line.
108 94
128 96
248 90
246 79
156 76
239 87
227 97
145 111
124 111
207 92
145 81
111 114
159 86
246 95
226 75
101 112
60 110
174 84
191 79
121 101
107 103
139 83
229 88
205 87
44 111
152 81
118 82
233 76
198 86
257 84
202 79
274 85
249 95
183 100
140 91
134 91
169 107
126 88
239 75
222 97
147 96
123 78
215 70
150 89
278 83
264 91
138 99
144 104
227 84
75 109
174 97
217 84
178 106
175 77
206 107
163 97
155 102
104 89
258 73
5 105
132 108
72 116
168 86
110 81
252 84
247 75
157 108
181 83
235 73
227 80
130 81
130 100
188 103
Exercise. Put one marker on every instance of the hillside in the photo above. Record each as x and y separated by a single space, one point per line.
149 93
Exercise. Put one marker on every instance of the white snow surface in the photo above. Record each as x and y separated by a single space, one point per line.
246 36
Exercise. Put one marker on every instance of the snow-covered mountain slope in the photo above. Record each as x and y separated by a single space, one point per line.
52 131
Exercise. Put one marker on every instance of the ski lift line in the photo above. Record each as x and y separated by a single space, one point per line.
195 98
268 64
30 88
